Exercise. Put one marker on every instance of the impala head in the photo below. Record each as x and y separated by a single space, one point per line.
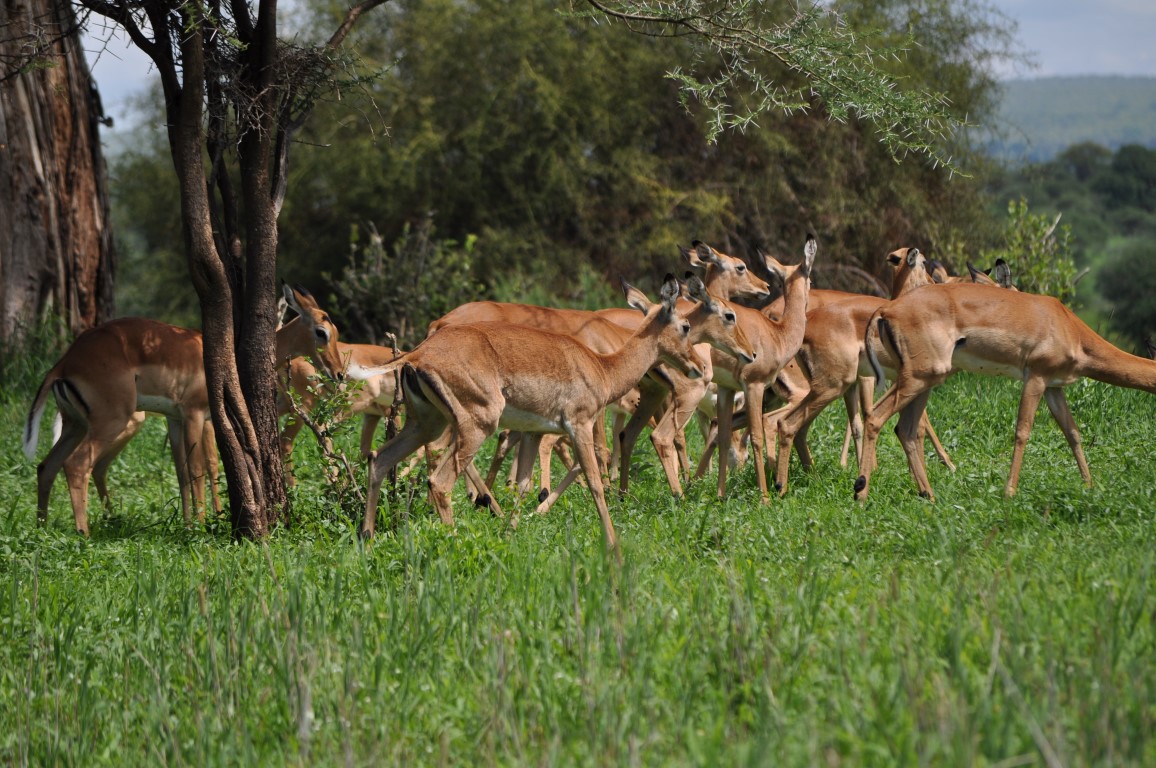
715 322
310 334
788 274
726 276
672 329
911 270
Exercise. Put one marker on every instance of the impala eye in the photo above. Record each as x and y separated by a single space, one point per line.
729 317
322 334
740 269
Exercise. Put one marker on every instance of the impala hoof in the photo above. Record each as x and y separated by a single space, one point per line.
365 534
483 500
860 484
925 495
543 495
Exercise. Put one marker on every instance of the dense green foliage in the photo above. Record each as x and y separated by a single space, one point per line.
1041 117
559 148
973 631
1108 200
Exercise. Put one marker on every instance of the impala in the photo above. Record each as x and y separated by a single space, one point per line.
113 371
474 379
776 342
832 355
373 400
724 277
936 331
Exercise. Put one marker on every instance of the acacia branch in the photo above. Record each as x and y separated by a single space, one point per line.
351 17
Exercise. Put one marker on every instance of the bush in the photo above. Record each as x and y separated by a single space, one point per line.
402 289
1039 251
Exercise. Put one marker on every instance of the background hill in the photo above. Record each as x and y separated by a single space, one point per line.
1041 117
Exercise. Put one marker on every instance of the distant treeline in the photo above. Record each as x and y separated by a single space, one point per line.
1108 200
1040 118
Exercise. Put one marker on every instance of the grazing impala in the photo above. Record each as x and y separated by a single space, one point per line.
474 379
113 371
933 332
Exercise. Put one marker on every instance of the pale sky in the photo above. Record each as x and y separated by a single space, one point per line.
1067 37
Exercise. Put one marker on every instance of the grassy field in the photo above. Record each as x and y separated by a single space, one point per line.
810 631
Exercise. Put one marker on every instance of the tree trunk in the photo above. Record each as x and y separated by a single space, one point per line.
56 245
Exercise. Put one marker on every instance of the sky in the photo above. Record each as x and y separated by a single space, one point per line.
1066 37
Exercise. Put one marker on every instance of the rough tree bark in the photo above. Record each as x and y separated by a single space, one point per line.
56 245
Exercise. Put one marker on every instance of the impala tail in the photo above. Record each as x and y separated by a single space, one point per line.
32 425
877 332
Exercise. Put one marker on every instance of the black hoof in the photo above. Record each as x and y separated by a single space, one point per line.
543 495
482 500
924 495
778 487
364 535
860 483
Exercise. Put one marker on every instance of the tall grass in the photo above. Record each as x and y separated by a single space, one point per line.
974 631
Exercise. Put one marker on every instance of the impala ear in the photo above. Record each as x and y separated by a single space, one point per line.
913 255
670 292
704 254
1002 273
636 299
697 291
810 248
691 256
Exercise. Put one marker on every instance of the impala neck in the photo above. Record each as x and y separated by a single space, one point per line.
794 320
1104 362
626 367
289 341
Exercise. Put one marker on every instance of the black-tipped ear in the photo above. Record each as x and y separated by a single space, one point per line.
810 248
1002 273
670 291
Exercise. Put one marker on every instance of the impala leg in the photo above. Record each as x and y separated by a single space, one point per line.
528 454
506 441
411 439
212 461
369 422
665 439
726 398
755 392
1029 401
194 434
648 405
1058 405
710 441
894 400
78 465
105 460
181 460
601 447
854 431
451 465
483 496
617 425
910 437
571 475
546 446
940 451
71 437
587 459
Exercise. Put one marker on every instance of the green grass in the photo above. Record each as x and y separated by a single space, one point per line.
974 631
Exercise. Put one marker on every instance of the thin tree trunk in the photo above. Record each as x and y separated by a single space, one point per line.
56 245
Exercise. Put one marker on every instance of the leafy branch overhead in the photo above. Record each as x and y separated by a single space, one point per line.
752 42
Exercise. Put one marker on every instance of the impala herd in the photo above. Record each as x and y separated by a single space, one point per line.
543 374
